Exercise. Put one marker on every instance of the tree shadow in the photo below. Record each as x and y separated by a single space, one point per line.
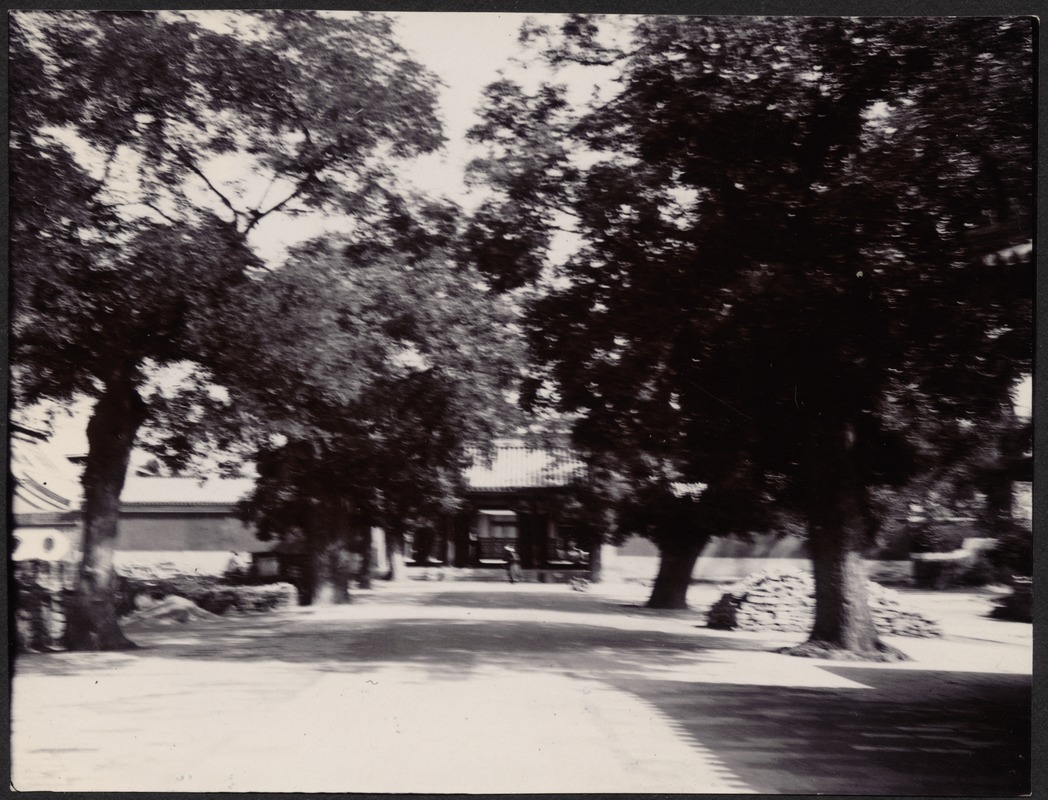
528 596
517 630
912 732
508 597
455 649
899 731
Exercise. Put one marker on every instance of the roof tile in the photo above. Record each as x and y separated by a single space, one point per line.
524 468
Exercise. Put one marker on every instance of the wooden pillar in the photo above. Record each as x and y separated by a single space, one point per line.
526 538
542 531
446 539
483 532
465 553
463 522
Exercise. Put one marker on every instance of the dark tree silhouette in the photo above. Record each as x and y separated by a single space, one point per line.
777 262
126 231
366 376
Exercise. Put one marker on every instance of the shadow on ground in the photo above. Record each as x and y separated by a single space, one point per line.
526 596
538 629
967 736
438 649
862 730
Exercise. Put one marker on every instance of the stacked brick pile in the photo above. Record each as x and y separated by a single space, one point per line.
775 600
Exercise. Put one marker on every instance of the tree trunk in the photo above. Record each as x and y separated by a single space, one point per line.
842 615
424 545
596 561
839 537
541 539
330 576
526 539
460 536
395 555
91 618
676 563
364 579
329 538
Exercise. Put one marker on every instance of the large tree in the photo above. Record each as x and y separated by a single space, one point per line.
776 262
368 368
145 150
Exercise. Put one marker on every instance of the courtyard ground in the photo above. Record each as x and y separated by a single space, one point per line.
487 687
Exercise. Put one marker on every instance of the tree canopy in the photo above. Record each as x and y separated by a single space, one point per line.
145 148
777 259
124 126
369 377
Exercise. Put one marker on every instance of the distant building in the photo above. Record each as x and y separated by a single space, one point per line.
44 499
194 522
512 500
181 520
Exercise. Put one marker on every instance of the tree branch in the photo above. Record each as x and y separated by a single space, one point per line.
110 158
151 207
560 57
257 216
192 166
265 194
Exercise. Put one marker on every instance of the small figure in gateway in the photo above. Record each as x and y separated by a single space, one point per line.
513 565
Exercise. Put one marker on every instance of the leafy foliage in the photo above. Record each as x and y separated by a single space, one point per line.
369 378
771 238
1012 553
125 223
145 148
778 264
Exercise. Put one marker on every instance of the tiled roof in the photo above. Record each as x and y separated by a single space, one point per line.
43 482
524 468
46 482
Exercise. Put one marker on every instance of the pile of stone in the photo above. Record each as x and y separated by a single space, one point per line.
784 600
169 610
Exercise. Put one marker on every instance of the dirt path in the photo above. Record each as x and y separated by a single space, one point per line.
513 689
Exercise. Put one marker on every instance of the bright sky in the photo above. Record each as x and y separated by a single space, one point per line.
466 51
1023 397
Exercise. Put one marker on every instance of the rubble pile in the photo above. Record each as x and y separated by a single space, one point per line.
172 609
784 600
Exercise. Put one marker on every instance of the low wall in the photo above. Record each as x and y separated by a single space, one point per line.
714 568
190 562
188 532
494 574
41 590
